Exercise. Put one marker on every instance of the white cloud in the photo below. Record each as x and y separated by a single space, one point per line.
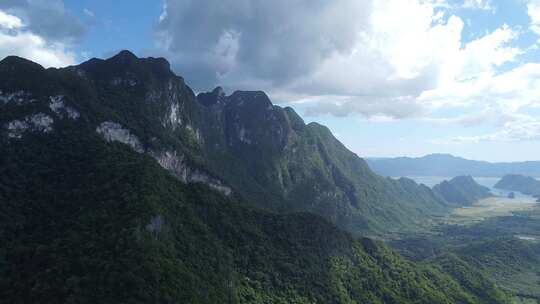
468 74
519 128
88 12
273 42
533 10
403 59
9 21
408 63
48 19
478 4
15 39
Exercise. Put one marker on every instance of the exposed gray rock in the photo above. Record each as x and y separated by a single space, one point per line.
196 133
72 113
41 122
176 164
37 123
16 128
243 136
19 97
58 106
123 81
112 131
170 160
174 115
81 73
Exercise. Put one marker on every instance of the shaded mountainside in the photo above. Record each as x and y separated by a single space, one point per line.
448 165
461 191
524 184
84 220
241 145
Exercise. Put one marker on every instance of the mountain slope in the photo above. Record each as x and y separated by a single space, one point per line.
240 145
448 165
524 184
505 249
87 220
461 191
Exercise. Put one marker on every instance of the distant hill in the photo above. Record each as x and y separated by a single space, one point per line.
461 191
524 184
449 165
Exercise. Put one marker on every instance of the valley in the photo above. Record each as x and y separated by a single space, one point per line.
498 235
489 208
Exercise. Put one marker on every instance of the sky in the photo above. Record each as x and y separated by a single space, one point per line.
388 77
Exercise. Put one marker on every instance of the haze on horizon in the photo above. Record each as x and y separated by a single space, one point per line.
389 78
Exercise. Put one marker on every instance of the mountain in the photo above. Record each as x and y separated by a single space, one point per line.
95 212
461 191
448 165
240 144
90 222
524 184
274 158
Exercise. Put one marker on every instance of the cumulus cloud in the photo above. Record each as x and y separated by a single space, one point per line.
17 39
46 18
478 4
518 128
391 59
533 10
266 41
9 22
345 56
511 97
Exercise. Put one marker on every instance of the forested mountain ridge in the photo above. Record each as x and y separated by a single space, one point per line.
461 191
524 184
240 145
87 217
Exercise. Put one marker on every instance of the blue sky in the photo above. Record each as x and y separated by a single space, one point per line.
389 78
116 25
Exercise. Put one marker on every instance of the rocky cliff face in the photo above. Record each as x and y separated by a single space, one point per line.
137 102
274 158
239 144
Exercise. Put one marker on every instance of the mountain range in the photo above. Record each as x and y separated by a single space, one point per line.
448 165
119 184
241 144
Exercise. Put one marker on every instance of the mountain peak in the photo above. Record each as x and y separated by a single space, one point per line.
218 91
254 98
125 55
217 96
19 62
126 63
